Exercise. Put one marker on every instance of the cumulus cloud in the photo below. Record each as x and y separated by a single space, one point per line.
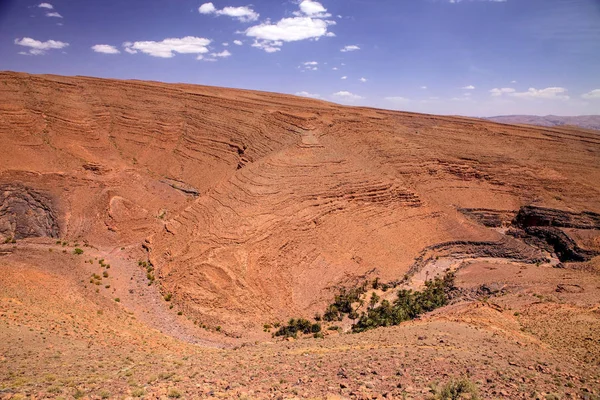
344 78
469 87
38 48
268 46
46 6
168 47
308 23
351 47
243 14
270 37
551 93
334 68
306 94
223 54
594 94
53 14
238 42
313 9
363 80
424 87
500 91
105 48
347 96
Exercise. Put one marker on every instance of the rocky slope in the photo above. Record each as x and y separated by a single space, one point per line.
158 220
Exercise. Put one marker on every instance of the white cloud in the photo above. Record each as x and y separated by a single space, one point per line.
551 93
268 46
345 95
311 63
334 68
207 8
470 87
168 47
46 5
313 9
37 48
223 54
243 14
289 29
344 78
270 37
363 80
53 14
513 81
424 87
306 94
238 42
594 94
105 48
225 44
350 48
500 91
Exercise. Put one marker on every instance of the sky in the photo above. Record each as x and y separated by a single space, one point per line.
461 57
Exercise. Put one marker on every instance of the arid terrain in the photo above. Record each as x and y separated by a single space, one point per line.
591 122
154 236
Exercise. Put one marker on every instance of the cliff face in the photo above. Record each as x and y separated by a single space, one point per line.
255 205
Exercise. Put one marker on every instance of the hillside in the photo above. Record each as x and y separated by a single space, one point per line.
583 121
219 211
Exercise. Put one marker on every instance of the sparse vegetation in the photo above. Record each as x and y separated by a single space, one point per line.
409 304
298 325
457 389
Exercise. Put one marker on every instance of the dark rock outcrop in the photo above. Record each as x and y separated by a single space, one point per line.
25 212
541 227
538 216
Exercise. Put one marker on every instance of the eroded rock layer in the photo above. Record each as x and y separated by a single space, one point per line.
254 206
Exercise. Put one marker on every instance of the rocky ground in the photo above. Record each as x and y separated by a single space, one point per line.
152 235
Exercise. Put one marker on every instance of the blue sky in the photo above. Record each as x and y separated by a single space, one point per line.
467 57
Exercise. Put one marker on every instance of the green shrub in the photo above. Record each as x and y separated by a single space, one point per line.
407 306
298 325
168 296
457 389
343 303
174 394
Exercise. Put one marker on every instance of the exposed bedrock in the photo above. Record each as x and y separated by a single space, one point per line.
561 244
543 227
507 248
529 216
25 212
488 217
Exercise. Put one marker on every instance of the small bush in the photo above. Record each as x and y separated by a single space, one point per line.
298 325
168 296
174 394
118 300
457 389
